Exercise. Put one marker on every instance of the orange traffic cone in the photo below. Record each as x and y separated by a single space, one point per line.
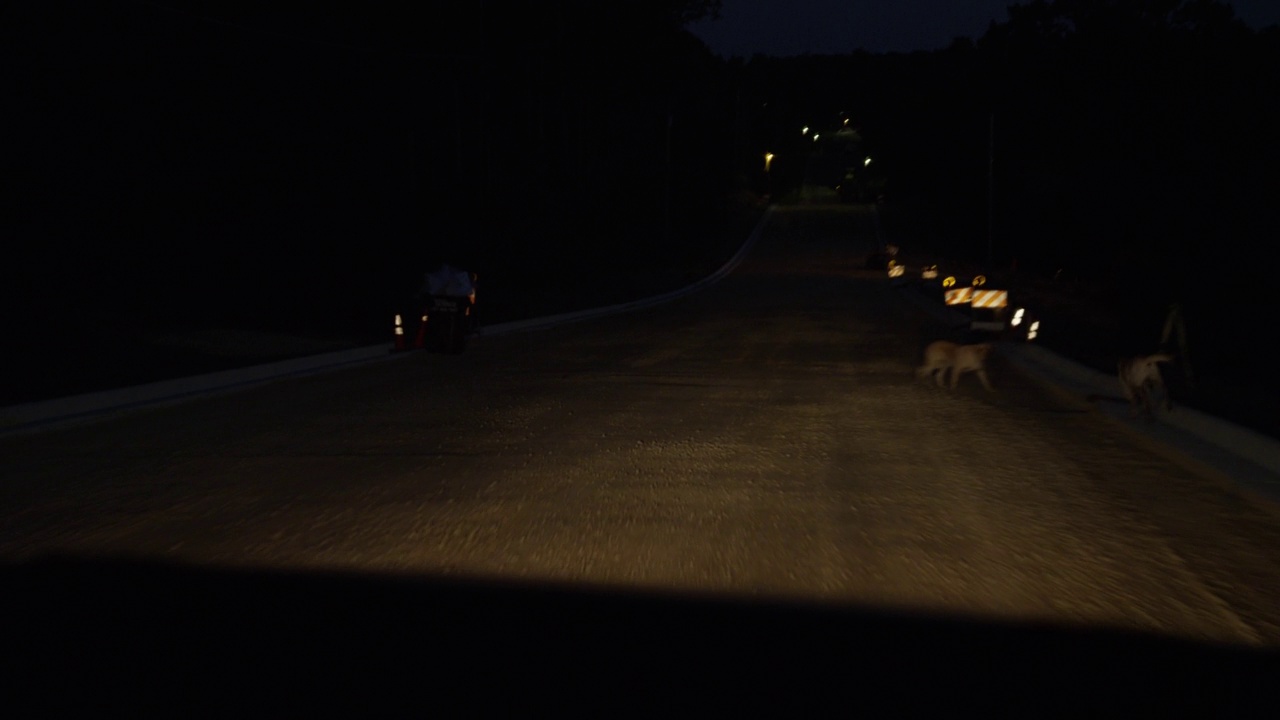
399 336
421 340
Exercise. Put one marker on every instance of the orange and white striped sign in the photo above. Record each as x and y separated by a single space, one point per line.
959 296
990 298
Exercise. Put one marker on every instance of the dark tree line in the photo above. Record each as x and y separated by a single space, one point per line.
1126 139
321 155
302 159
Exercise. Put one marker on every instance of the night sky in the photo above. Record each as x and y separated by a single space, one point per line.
834 27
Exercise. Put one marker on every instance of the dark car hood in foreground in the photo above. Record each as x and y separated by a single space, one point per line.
151 637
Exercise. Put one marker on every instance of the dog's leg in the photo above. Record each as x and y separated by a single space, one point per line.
982 375
1148 404
1124 385
941 376
956 372
1164 390
1132 392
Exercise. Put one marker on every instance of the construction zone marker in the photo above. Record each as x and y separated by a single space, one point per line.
989 308
399 346
990 298
959 296
420 341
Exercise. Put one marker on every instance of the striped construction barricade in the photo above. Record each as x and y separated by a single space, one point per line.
984 298
989 309
959 295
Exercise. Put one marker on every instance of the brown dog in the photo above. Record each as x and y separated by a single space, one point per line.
943 356
1139 379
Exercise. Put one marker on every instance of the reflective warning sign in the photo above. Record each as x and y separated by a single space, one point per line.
990 298
959 296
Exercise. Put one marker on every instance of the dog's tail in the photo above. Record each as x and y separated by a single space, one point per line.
1160 358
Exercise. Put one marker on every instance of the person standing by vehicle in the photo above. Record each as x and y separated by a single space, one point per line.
450 296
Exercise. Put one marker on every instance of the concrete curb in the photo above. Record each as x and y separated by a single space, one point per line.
37 415
1249 457
31 417
553 320
1252 445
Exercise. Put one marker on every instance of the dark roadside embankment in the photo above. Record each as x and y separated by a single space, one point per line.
134 328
